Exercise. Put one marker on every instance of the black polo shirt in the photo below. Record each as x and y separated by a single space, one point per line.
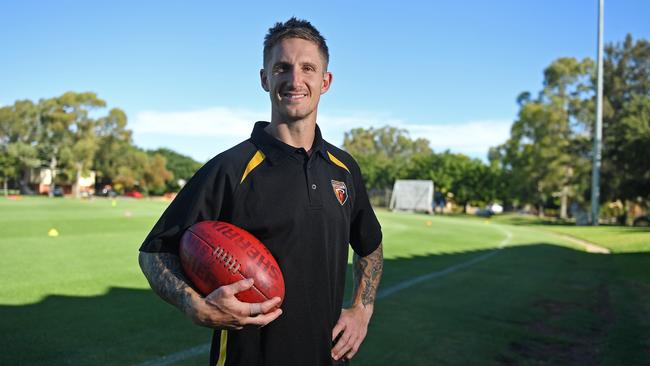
305 209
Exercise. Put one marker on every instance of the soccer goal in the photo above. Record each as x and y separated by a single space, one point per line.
412 195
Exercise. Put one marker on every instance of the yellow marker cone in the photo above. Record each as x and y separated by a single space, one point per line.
429 223
53 233
114 203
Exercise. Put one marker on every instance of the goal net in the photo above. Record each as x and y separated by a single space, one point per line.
412 195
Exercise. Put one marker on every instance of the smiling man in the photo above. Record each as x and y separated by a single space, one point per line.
305 200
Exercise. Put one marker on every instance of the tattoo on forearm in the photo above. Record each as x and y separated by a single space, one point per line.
165 275
367 273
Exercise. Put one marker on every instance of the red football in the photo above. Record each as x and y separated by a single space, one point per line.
216 253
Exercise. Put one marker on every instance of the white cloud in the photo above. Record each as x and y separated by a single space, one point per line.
221 127
473 138
214 122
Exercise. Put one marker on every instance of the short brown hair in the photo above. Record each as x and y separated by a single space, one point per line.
294 28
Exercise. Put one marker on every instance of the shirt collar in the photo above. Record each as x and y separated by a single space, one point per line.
276 150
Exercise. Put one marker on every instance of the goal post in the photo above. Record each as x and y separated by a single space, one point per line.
412 195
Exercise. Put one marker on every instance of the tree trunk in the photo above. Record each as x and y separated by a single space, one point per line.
5 186
23 183
53 162
564 198
540 211
564 201
77 193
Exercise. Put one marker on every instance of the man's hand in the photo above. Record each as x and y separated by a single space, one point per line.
352 327
353 322
221 309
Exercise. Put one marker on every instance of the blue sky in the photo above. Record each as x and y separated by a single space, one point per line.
187 73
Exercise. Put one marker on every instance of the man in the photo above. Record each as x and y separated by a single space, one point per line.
305 200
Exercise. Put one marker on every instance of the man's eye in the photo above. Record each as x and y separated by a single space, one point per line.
308 68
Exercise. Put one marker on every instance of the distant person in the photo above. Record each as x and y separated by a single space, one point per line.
305 200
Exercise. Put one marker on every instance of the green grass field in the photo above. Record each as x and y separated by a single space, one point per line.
79 298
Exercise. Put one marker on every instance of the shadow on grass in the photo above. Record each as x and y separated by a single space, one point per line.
117 328
538 304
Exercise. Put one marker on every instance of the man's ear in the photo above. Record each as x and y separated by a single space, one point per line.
264 80
327 82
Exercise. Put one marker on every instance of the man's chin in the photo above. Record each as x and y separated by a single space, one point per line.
294 115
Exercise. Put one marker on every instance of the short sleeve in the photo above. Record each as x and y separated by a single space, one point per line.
365 231
206 196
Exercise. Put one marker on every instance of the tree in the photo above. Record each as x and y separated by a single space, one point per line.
156 174
181 166
61 133
66 132
384 154
114 145
634 154
388 153
626 121
18 128
468 181
546 154
140 171
549 151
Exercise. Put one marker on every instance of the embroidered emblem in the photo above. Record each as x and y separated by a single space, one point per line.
340 191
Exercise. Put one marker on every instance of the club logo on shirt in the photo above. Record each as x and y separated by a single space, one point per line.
340 191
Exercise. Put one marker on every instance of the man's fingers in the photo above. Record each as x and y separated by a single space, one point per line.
230 290
240 286
263 307
353 351
254 309
269 305
262 319
337 329
342 346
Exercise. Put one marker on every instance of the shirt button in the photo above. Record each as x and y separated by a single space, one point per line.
313 186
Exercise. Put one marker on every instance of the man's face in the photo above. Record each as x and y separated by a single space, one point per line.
295 77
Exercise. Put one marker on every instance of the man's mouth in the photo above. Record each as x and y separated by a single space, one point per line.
291 96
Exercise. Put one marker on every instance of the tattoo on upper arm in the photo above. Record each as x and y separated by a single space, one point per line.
367 273
165 275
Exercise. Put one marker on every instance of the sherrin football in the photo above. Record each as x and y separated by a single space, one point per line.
216 253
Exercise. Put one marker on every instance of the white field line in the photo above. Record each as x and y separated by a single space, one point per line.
195 351
178 356
456 267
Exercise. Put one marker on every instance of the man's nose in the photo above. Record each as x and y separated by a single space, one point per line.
295 77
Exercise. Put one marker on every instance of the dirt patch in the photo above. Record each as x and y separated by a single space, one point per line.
564 332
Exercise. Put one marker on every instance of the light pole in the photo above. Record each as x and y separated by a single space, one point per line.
598 128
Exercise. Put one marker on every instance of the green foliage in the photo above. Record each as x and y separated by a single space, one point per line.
626 121
114 144
156 174
548 156
386 154
59 133
181 166
137 170
17 133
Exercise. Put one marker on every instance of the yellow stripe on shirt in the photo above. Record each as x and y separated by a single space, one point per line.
337 161
256 160
222 348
